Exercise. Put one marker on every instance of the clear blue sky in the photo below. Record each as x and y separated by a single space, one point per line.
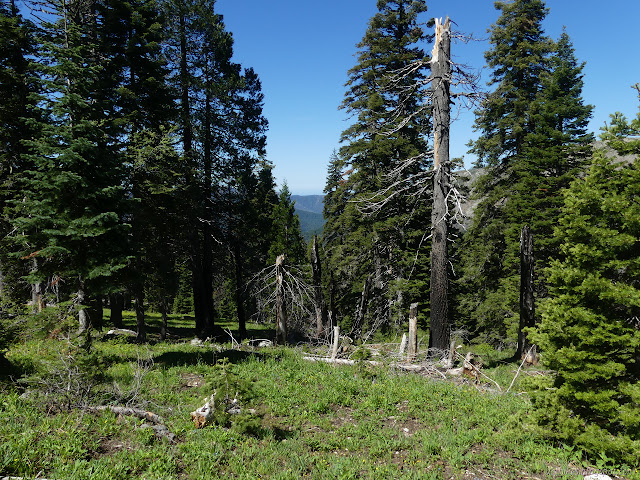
302 50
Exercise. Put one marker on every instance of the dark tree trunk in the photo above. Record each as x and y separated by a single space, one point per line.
97 312
320 305
440 77
164 307
207 247
240 310
116 302
527 301
358 323
332 300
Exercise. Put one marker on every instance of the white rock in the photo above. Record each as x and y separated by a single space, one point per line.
597 476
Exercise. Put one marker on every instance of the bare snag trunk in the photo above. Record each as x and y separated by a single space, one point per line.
281 304
441 79
412 348
320 305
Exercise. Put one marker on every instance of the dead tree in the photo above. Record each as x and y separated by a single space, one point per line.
446 200
281 303
281 291
320 305
527 301
440 84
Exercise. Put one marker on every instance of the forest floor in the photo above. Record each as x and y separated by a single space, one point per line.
298 419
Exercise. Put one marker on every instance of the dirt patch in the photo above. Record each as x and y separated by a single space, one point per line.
110 446
191 380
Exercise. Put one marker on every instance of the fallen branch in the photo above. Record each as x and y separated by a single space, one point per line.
344 361
157 424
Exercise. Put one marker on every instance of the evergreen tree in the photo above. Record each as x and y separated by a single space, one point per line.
287 238
222 130
384 100
72 218
533 141
18 117
590 332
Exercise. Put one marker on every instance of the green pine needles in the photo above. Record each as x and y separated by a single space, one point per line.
590 330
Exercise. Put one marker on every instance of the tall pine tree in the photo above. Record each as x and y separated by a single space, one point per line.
532 142
369 254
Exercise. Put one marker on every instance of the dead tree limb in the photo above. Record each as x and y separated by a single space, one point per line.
155 421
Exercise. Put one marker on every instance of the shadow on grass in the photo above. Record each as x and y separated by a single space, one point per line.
204 357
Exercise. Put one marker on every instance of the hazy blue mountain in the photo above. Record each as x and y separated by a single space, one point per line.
309 203
309 210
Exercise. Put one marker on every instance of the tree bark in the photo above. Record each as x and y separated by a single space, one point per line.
320 305
527 300
440 77
97 317
240 310
358 323
164 311
116 302
412 348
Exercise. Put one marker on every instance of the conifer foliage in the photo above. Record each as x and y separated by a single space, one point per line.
371 254
590 330
532 143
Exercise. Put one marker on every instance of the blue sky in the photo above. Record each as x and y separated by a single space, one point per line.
302 50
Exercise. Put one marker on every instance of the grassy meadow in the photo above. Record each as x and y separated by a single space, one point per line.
307 419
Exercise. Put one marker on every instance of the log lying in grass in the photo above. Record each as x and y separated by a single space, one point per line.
345 361
155 422
120 332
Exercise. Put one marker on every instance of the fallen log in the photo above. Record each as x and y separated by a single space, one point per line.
345 361
157 424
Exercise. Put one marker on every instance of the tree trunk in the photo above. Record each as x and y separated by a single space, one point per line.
164 307
116 302
281 305
97 317
358 323
320 305
412 348
527 301
440 77
140 321
240 310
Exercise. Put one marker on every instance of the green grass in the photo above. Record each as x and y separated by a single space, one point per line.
316 420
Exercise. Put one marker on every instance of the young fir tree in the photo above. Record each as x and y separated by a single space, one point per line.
369 254
590 329
533 140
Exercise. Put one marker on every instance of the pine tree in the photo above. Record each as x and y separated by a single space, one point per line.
18 117
532 143
287 238
222 130
590 332
72 218
373 250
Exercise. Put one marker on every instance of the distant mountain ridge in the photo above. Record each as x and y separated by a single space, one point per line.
309 209
309 203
